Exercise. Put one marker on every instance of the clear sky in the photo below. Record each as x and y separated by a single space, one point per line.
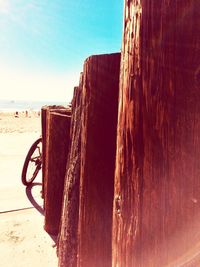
43 44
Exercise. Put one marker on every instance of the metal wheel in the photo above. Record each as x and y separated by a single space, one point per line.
32 163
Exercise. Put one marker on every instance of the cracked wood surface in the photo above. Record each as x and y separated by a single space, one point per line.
157 181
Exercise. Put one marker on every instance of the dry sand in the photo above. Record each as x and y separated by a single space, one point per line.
9 123
16 137
23 242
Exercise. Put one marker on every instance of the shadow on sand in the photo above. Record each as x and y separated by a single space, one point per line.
31 198
36 205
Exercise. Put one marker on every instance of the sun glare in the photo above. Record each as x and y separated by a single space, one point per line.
4 5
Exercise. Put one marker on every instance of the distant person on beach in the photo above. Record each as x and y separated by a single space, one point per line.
16 114
26 113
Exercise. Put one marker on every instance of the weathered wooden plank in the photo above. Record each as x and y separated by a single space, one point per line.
44 121
68 236
98 146
58 140
44 127
156 218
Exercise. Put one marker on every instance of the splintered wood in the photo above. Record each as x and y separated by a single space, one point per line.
86 230
156 219
56 142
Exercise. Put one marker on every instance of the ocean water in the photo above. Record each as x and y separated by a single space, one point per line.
17 105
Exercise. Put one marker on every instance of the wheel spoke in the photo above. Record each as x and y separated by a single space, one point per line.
33 163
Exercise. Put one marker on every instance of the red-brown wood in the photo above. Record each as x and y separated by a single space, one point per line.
68 235
156 218
44 127
45 124
58 139
98 146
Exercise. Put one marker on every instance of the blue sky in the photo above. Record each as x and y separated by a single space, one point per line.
43 43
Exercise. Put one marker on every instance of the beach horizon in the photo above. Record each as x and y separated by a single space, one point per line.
9 105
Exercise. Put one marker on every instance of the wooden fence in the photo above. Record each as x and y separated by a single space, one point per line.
132 185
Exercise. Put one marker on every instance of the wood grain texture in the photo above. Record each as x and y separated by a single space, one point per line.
45 110
44 127
68 236
58 140
98 147
156 218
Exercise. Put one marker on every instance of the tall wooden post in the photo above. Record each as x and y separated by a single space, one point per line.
58 140
68 235
156 218
44 126
98 146
44 121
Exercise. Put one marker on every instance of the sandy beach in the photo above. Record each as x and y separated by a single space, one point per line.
29 122
23 241
16 136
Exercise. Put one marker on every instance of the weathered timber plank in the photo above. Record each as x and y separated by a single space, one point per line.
98 146
44 121
58 140
156 219
68 236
